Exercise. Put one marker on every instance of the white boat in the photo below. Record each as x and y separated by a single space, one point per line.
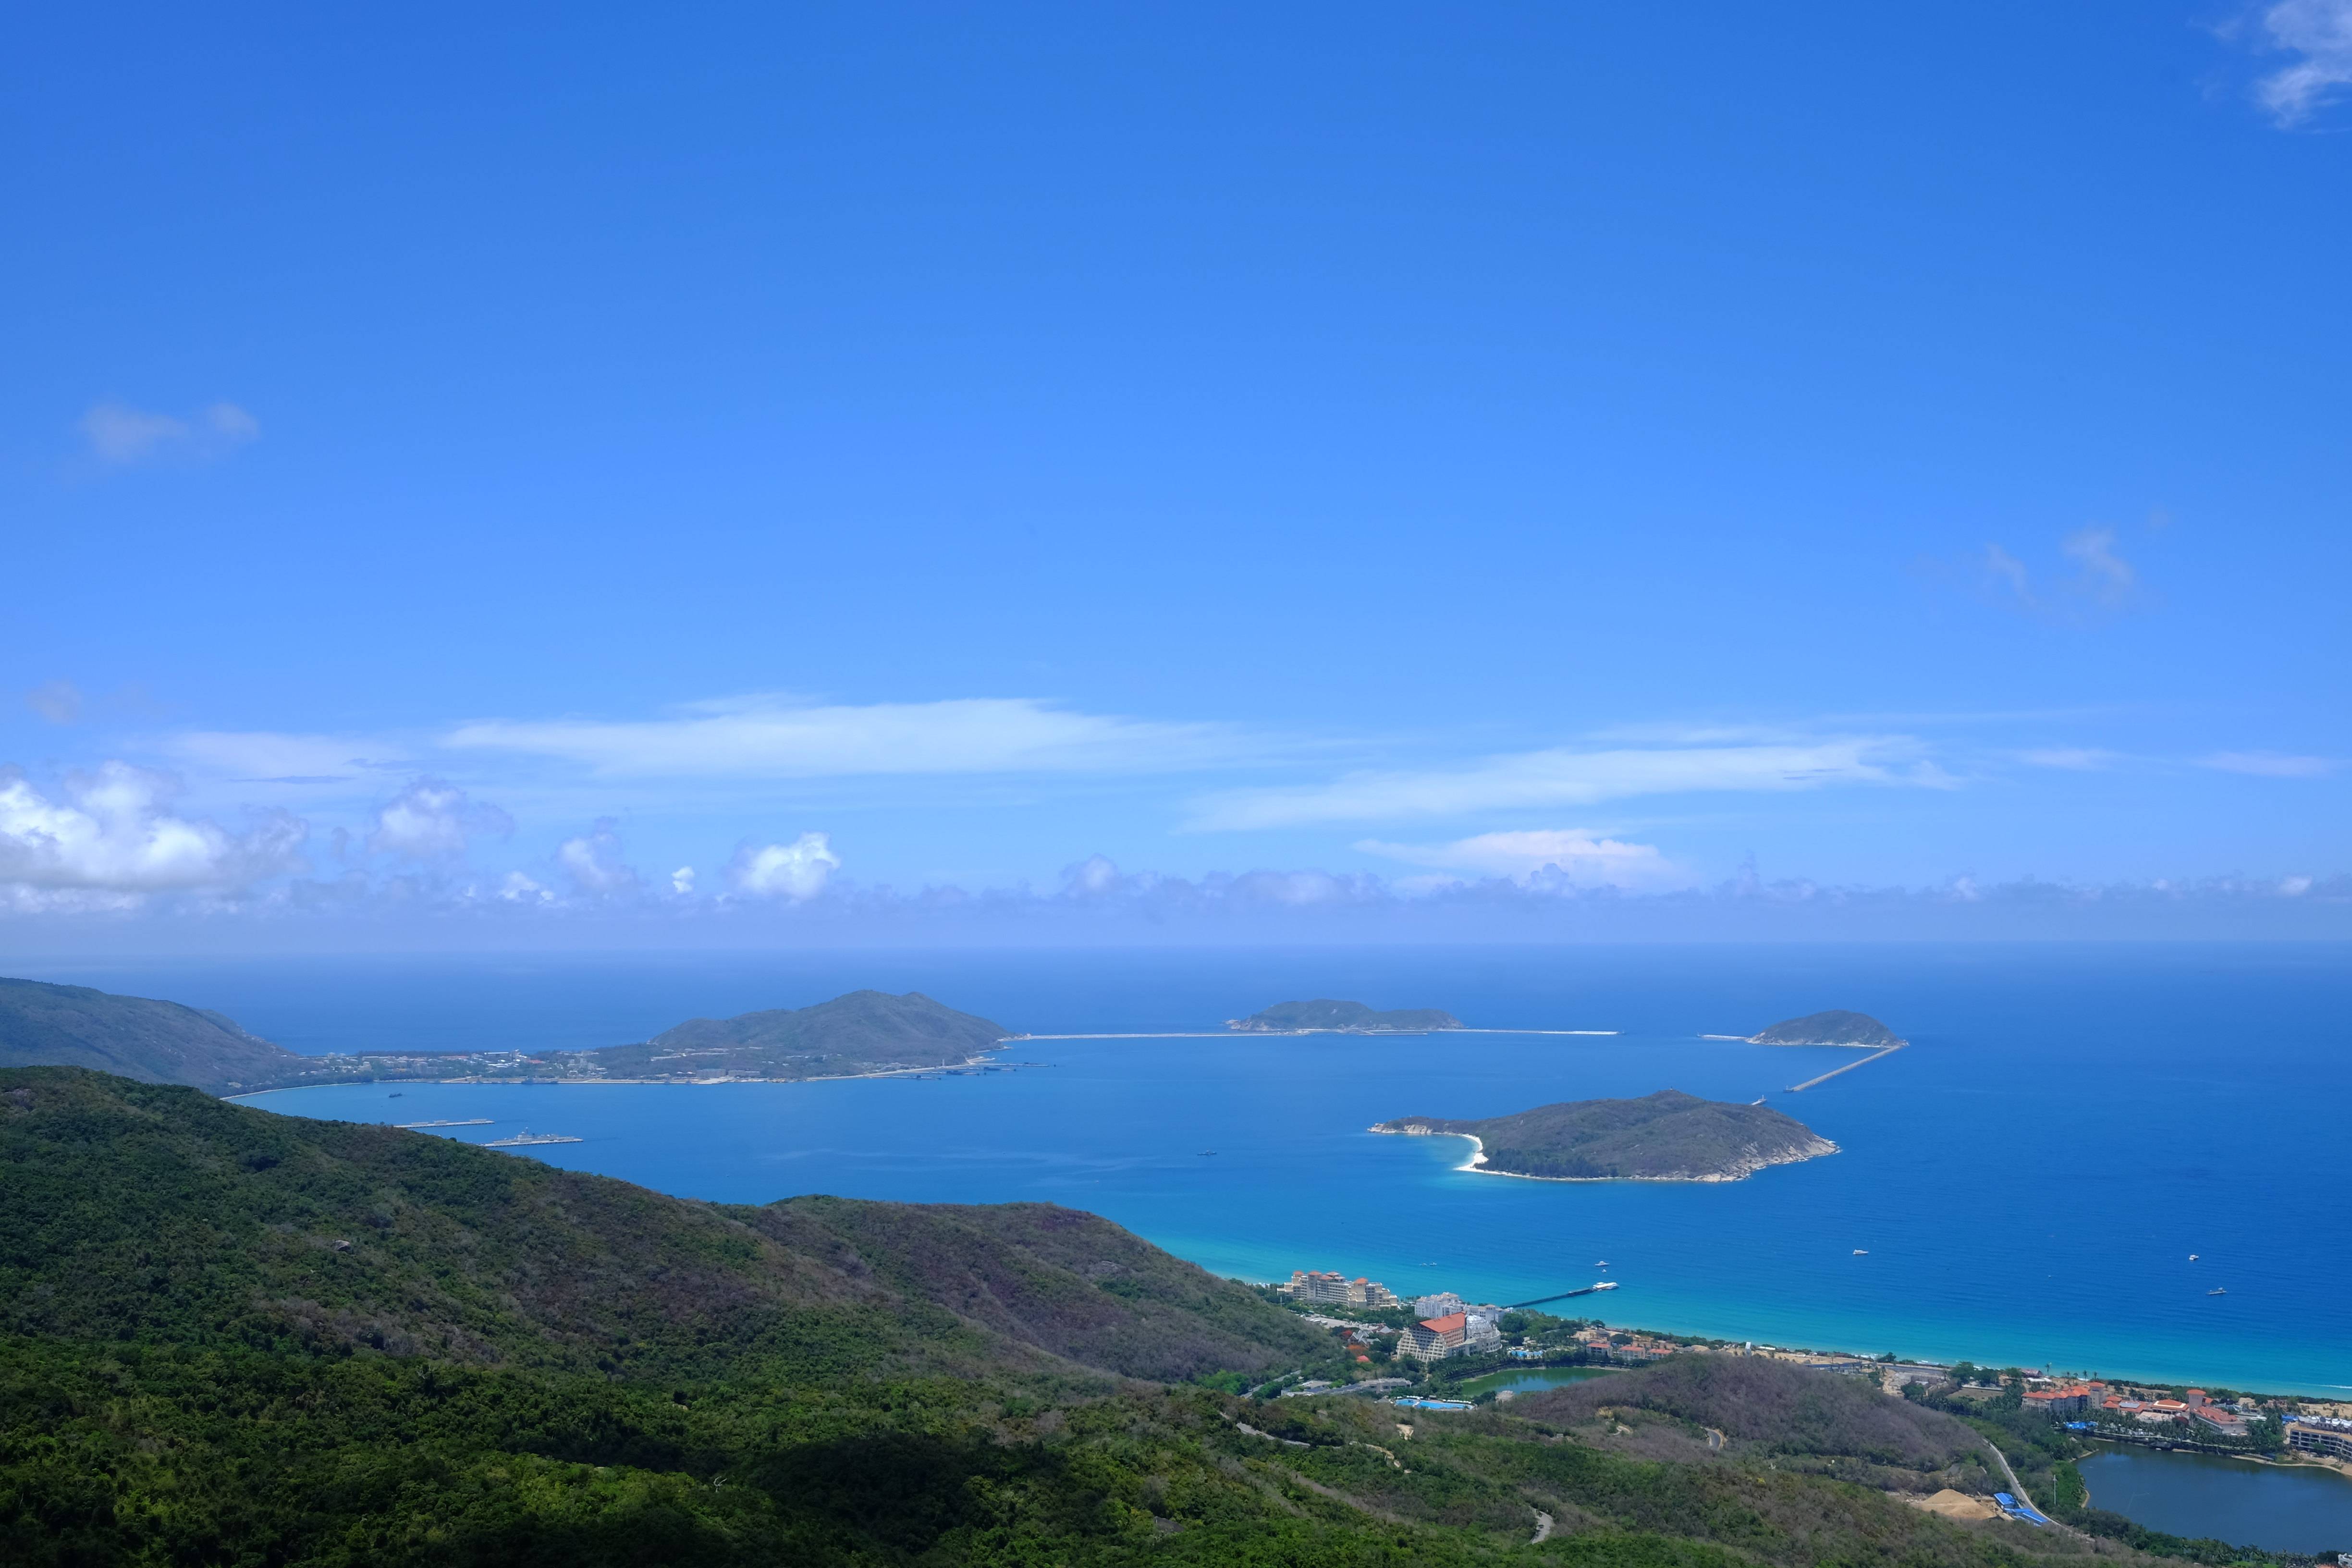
1606 1285
2217 1291
526 1138
469 1122
1861 1252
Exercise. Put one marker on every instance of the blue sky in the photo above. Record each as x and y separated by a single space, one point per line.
842 462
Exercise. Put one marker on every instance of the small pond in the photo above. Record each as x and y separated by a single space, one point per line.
2282 1508
1532 1379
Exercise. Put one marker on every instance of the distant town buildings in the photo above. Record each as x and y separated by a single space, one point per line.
1338 1289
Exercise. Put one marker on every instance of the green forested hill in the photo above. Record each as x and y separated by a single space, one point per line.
1666 1136
513 1364
155 1042
1346 1018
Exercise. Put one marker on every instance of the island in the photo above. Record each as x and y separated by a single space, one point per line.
864 1034
1325 1017
1831 1028
1668 1136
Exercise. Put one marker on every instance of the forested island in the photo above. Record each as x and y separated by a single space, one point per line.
1324 1015
1835 1027
862 1034
1668 1136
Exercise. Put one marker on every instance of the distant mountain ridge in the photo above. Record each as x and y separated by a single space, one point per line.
1325 1014
42 1025
860 1033
1835 1027
1668 1136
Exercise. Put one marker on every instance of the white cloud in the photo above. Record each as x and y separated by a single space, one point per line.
2102 580
431 820
1568 777
2320 31
113 836
2270 765
2105 577
518 888
119 433
59 701
681 881
593 862
796 871
770 738
267 757
1578 855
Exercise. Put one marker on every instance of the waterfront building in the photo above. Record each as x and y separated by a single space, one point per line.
2334 1440
1363 1292
1443 1304
2222 1421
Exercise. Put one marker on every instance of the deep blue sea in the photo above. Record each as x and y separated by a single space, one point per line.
2024 1186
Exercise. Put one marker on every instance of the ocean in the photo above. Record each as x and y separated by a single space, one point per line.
2024 1186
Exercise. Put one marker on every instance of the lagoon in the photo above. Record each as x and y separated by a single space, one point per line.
2282 1508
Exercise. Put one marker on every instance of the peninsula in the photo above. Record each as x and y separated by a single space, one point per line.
1668 1136
1326 1016
1831 1028
864 1033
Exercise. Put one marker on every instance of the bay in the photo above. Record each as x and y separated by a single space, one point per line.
2024 1187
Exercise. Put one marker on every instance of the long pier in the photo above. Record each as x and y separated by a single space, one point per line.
1563 1296
1881 1051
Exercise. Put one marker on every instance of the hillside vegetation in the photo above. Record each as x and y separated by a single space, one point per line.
1830 1028
154 1042
1343 1017
513 1364
1666 1136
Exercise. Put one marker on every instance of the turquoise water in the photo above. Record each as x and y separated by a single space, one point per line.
2028 1181
2284 1509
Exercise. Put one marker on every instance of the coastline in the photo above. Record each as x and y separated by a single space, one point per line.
971 1061
1477 1164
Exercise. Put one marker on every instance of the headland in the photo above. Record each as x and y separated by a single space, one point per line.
1668 1136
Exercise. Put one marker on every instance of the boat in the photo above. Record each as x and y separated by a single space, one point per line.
1206 1154
469 1122
1603 1264
2217 1291
526 1138
2193 1257
1604 1285
1861 1252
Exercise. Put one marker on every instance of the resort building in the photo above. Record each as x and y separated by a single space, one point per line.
2333 1439
1443 1304
2220 1420
1327 1285
1455 1333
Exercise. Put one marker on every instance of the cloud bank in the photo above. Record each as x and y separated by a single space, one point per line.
760 737
1568 777
2320 33
112 841
120 435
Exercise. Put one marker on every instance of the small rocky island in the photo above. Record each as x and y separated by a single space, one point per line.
1830 1028
1326 1016
1668 1136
